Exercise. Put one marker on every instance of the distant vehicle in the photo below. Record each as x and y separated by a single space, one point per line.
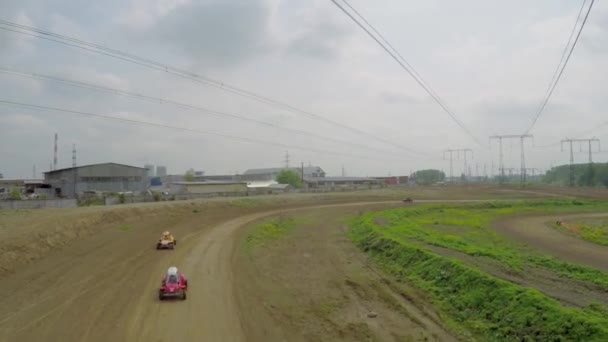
166 241
408 200
173 285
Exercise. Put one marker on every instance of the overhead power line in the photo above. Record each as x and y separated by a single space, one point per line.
149 63
186 129
562 66
381 36
157 100
403 63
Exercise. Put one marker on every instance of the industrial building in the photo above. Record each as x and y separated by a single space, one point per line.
208 187
30 188
149 170
106 177
394 180
342 182
312 172
161 171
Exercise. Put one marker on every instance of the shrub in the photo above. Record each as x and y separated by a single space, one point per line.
15 194
156 196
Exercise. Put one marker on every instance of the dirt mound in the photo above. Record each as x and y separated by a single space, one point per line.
30 235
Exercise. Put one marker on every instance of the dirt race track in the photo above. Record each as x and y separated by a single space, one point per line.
535 232
104 288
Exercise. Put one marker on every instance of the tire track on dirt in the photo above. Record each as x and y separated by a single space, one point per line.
211 312
535 232
127 270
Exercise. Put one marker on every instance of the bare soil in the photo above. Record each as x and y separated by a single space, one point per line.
99 281
535 232
91 274
314 285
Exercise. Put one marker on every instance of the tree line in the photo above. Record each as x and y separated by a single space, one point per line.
594 174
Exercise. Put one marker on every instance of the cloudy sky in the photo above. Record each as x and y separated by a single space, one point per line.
490 61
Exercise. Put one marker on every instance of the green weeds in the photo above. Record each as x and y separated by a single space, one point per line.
435 225
491 308
596 233
269 230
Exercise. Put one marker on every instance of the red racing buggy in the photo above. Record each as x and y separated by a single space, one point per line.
174 285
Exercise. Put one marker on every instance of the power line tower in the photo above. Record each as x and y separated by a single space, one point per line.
501 163
465 152
533 170
511 171
580 141
451 152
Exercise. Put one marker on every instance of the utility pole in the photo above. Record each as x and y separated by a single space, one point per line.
465 151
571 141
74 169
571 175
501 163
55 154
73 155
287 159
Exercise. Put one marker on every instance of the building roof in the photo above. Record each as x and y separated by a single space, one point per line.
33 181
78 167
307 169
23 181
208 183
261 184
339 179
280 186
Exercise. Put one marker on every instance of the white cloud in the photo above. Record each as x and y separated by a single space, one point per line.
490 61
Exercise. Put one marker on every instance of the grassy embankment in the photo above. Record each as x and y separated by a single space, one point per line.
488 307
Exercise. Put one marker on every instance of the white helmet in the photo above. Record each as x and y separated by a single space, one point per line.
172 270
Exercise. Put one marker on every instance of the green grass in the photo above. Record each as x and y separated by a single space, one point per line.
245 202
596 233
125 227
491 308
268 231
430 224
